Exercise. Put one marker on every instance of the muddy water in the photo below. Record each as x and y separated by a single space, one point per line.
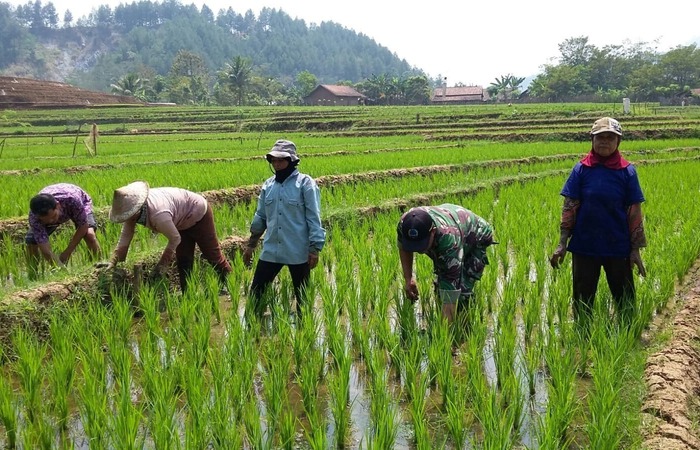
360 430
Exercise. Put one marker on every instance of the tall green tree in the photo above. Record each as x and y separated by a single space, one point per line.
67 18
681 69
576 51
304 83
188 79
236 74
417 90
12 35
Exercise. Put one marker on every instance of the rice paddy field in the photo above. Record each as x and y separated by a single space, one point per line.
100 360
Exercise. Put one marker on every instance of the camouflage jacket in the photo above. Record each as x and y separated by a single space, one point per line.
458 251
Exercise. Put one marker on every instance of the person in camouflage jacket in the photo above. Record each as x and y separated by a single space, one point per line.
456 240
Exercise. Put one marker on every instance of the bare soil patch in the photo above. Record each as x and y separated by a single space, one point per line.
22 93
673 375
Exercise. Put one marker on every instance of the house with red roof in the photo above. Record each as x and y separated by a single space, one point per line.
334 95
459 95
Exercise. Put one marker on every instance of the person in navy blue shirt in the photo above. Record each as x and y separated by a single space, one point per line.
602 223
289 214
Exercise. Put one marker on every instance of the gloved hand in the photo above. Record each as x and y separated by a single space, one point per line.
313 260
558 256
636 260
104 265
157 273
248 256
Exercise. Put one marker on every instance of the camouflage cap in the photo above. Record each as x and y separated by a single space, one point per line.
605 125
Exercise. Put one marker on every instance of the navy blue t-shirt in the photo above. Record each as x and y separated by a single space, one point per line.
601 227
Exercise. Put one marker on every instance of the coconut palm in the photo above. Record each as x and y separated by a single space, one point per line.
237 75
129 84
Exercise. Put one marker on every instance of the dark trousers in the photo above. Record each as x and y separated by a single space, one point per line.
618 273
266 272
202 234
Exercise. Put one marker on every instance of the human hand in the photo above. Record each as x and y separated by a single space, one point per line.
104 265
248 256
411 289
636 260
313 260
157 272
558 256
64 257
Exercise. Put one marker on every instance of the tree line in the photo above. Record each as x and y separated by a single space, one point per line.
633 70
238 82
173 52
167 51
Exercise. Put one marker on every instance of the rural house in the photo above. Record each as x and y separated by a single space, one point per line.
459 95
334 95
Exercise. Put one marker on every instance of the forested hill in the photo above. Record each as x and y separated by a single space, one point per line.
146 38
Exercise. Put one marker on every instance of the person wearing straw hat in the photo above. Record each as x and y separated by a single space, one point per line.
184 217
52 206
289 214
601 223
456 240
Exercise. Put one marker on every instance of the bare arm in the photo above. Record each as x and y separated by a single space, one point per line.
406 264
48 254
79 234
407 268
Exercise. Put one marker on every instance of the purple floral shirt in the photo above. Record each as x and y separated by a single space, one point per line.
76 204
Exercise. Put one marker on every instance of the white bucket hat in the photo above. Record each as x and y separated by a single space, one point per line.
128 200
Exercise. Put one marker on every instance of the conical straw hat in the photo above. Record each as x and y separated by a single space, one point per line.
128 200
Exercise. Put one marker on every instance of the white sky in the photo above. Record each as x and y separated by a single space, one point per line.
473 43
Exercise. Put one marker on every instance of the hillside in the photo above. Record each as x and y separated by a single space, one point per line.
146 37
20 93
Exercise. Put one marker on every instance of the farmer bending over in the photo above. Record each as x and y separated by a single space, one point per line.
54 205
184 217
456 240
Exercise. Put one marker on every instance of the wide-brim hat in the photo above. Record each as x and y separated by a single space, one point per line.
606 125
128 200
283 149
415 229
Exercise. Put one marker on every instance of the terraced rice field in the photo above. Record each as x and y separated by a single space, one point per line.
97 361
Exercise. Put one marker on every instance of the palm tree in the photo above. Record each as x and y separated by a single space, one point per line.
129 84
514 85
505 85
499 87
237 75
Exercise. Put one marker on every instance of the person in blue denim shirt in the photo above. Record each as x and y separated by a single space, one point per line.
289 215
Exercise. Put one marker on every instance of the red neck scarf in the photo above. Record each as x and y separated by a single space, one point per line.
614 161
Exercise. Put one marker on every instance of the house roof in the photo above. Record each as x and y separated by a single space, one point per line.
459 93
340 91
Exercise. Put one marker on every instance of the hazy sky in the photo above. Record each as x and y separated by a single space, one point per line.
473 43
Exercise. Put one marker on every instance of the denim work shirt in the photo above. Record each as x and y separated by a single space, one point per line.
289 214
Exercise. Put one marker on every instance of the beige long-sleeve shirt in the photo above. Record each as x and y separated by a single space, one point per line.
169 210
